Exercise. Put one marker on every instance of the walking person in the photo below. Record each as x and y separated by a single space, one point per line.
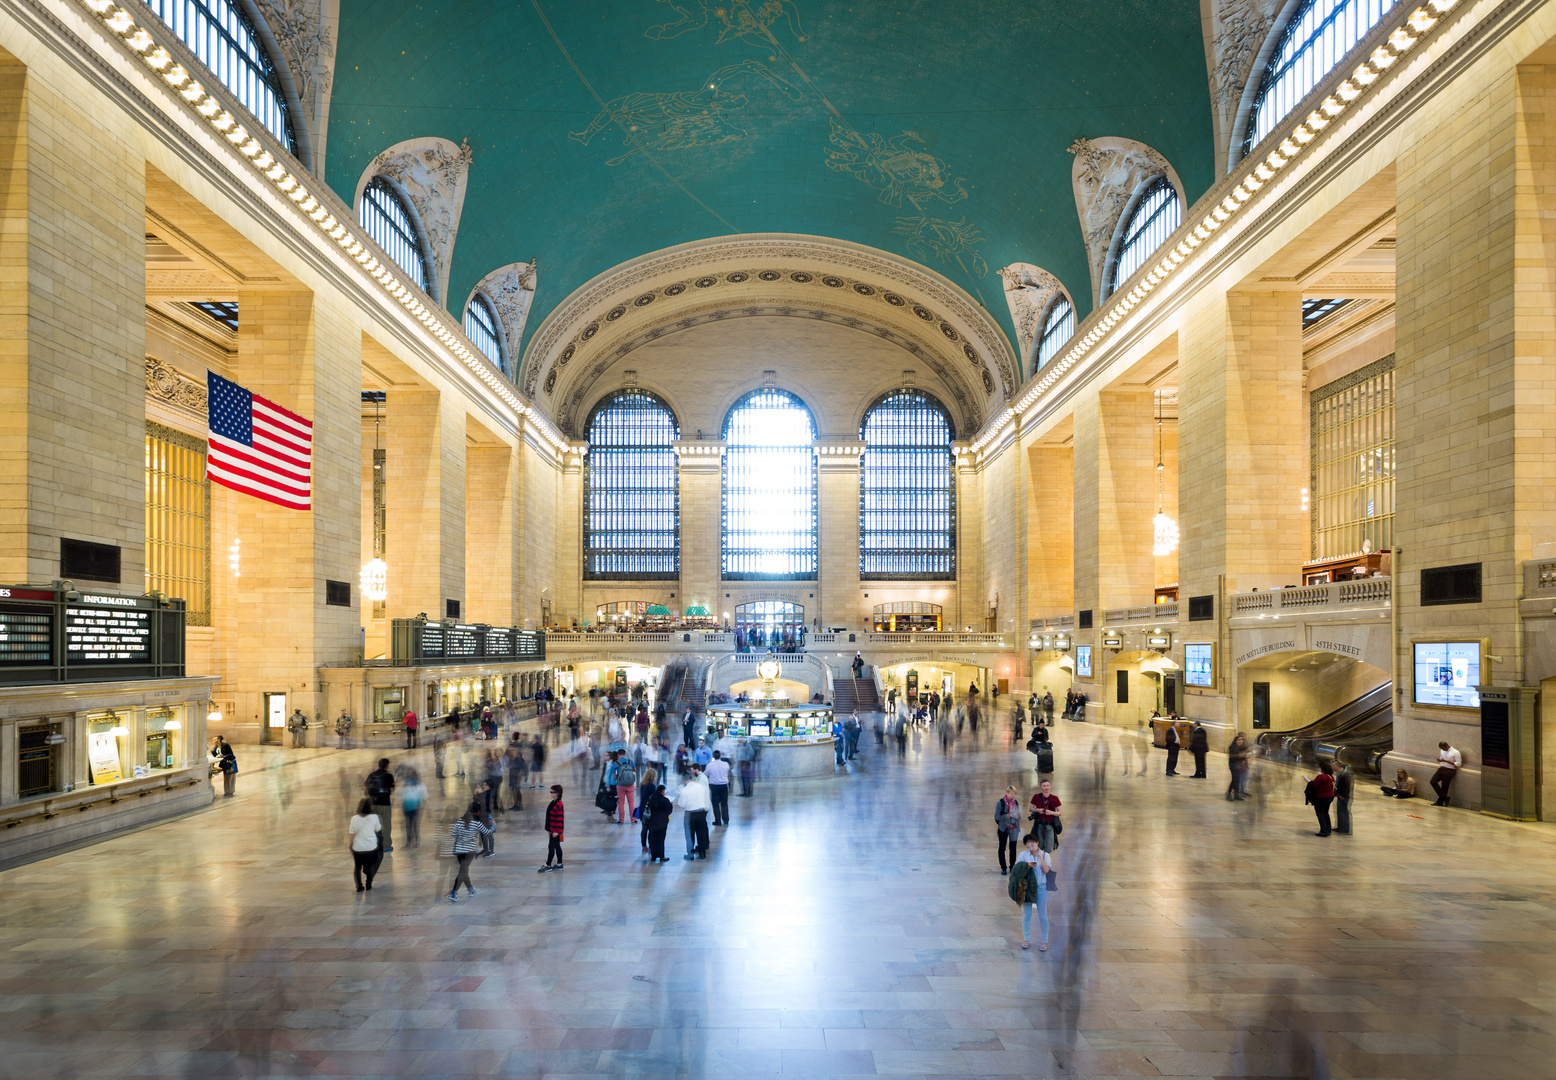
746 755
364 834
646 790
412 729
1199 746
413 796
1449 761
466 833
1344 785
693 801
1045 816
496 765
717 774
851 729
1237 761
1048 707
1320 792
379 787
656 819
1170 737
1028 887
554 822
537 761
518 768
1007 825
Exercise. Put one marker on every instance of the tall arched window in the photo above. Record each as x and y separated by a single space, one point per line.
907 490
481 327
220 34
769 488
1314 42
388 221
1157 214
632 512
1058 328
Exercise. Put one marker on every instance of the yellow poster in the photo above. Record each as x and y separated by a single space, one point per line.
102 755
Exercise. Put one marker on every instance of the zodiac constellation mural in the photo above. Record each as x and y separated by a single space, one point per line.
892 166
677 121
736 20
950 241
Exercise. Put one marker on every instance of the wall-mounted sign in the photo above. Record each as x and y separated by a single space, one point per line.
46 638
107 635
26 635
1159 642
1083 661
1199 664
417 641
1112 641
102 756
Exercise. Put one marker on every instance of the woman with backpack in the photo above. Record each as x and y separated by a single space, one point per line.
626 788
1029 887
466 834
1007 820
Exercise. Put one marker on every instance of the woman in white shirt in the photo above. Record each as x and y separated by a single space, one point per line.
365 829
1041 864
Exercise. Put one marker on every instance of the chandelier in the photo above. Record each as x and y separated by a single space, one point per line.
1165 541
375 581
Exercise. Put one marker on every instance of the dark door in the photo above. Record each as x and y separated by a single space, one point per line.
1169 693
1123 686
1261 704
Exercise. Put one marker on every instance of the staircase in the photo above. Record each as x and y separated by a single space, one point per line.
854 695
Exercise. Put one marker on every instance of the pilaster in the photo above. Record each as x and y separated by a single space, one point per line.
426 512
1115 491
837 490
702 490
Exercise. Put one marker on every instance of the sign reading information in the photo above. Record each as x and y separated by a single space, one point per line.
56 636
107 635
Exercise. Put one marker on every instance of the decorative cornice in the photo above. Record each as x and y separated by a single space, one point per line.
168 384
870 276
1028 292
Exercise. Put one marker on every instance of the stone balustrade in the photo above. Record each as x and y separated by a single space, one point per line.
1369 592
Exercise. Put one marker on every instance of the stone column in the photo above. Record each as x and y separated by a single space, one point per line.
837 539
10 780
1115 499
702 492
1475 395
72 332
492 550
425 432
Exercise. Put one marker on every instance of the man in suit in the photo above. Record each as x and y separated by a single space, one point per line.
1199 746
1170 737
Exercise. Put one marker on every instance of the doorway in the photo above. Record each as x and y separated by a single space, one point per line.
1261 704
274 722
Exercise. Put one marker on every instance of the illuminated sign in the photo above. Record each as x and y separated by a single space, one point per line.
1112 641
1159 642
1199 664
1446 673
1083 661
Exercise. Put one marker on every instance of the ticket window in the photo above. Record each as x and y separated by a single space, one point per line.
37 758
162 740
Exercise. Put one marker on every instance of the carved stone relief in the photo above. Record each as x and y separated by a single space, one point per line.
1235 33
302 31
511 289
174 387
1028 291
433 173
1106 174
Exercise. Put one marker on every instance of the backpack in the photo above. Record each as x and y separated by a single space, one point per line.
626 775
377 790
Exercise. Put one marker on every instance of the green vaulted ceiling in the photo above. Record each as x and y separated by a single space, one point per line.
607 129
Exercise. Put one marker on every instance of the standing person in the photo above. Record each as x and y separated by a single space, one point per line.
717 773
851 736
837 742
297 724
747 764
1029 888
646 790
412 729
379 786
1237 761
693 801
688 728
1344 785
1170 737
343 731
858 667
1007 824
227 762
537 761
363 830
496 763
1320 792
1449 761
517 769
626 781
413 796
704 754
1048 706
554 822
656 819
1199 746
1045 816
467 832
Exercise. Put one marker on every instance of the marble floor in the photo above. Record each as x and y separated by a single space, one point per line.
856 925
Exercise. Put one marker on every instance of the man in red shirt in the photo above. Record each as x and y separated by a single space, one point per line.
412 725
1045 817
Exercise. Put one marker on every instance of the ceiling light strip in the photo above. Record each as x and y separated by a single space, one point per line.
1404 38
211 110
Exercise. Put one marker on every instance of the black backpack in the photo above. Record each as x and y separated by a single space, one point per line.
377 790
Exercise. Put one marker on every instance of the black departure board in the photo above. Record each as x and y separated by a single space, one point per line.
499 642
461 642
415 641
531 645
60 636
26 636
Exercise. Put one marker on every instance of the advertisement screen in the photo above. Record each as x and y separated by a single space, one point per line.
1447 672
1199 664
1083 661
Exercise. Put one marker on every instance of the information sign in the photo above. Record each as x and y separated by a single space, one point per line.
102 755
107 635
461 641
499 642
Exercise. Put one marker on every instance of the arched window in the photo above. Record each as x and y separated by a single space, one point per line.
769 488
1058 328
221 36
907 490
481 325
388 221
632 512
1156 215
1314 42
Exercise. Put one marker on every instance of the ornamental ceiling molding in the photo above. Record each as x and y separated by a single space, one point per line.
166 383
1029 290
433 173
1107 174
511 290
301 29
808 265
1237 38
579 392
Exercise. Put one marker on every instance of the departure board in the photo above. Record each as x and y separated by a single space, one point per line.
25 635
461 641
499 642
531 645
103 635
432 641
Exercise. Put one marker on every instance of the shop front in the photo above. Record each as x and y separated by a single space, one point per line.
907 617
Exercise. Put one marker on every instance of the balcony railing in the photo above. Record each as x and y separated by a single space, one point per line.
1371 592
703 641
1540 578
1054 622
1155 613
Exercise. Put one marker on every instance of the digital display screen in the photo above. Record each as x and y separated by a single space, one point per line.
107 635
1199 664
432 640
461 641
761 728
499 643
24 636
1446 673
531 645
1083 661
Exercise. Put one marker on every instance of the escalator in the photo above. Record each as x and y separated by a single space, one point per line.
683 683
1358 733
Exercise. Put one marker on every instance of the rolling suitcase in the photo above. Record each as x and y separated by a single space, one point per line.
1045 757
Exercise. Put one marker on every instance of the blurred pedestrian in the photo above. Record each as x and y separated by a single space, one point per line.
412 729
466 833
1199 746
693 801
517 770
1029 887
554 822
656 819
364 830
413 796
717 774
1320 793
1007 826
747 765
1344 786
379 786
537 761
343 731
1237 761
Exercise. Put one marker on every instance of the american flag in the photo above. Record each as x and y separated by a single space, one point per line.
257 447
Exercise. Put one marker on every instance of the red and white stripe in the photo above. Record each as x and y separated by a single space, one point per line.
277 467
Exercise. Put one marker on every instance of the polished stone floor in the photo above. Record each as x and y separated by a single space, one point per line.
848 926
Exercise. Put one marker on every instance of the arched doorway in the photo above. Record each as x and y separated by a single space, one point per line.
768 624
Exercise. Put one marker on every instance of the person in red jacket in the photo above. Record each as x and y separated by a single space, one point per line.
554 818
1321 795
